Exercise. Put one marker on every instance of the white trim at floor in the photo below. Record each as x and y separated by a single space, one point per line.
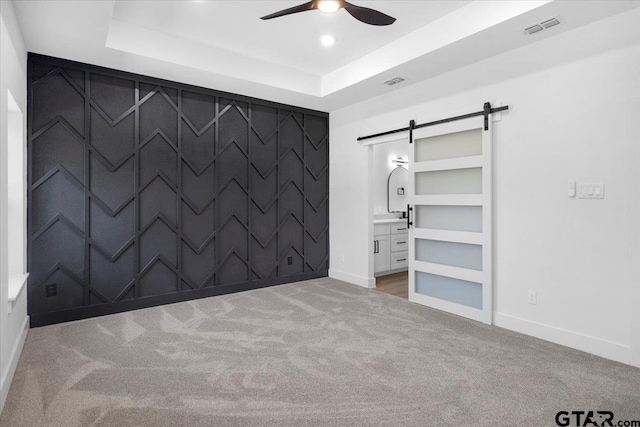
14 357
366 282
607 349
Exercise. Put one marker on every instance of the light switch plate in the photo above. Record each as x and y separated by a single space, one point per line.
591 191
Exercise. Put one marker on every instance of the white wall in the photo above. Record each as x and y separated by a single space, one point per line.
16 186
14 321
574 112
382 167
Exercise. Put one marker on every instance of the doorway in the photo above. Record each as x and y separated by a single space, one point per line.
389 208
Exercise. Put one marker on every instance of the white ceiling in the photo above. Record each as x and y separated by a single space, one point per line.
291 41
225 46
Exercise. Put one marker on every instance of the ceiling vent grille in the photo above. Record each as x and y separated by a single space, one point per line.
533 29
550 23
394 81
536 28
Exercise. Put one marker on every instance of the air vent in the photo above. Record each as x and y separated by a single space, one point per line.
550 23
394 81
533 29
536 28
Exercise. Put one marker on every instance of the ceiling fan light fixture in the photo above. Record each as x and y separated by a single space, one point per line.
327 40
328 6
362 14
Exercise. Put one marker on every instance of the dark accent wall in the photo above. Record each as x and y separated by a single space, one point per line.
144 192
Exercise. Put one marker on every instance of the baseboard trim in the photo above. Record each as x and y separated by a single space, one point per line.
603 348
366 282
14 357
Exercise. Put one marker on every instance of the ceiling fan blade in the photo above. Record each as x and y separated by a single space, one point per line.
302 8
368 16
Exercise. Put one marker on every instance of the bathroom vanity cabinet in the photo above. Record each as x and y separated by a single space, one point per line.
390 246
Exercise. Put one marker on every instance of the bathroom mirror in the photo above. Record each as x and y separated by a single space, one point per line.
397 190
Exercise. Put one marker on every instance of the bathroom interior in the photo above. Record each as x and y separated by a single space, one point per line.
390 240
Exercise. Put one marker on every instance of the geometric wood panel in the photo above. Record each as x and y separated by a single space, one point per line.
144 191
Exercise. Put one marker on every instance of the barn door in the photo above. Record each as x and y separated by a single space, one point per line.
450 240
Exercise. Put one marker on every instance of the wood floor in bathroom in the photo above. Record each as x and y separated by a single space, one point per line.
394 284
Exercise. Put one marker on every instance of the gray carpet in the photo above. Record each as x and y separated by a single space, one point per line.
320 352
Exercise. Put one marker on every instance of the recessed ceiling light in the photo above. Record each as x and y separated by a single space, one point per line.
329 6
327 40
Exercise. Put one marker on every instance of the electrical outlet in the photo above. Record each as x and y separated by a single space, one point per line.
342 258
290 260
532 297
51 290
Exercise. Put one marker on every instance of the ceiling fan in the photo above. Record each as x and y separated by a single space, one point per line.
362 14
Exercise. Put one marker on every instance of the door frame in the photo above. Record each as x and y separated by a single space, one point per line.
369 144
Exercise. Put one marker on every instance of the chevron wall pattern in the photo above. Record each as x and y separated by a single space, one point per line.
144 192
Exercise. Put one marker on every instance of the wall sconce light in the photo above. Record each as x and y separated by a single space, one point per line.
399 162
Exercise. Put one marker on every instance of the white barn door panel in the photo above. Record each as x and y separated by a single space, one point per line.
450 241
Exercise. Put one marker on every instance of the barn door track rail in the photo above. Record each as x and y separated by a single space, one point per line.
487 109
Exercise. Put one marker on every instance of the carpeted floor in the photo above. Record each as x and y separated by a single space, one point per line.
320 352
